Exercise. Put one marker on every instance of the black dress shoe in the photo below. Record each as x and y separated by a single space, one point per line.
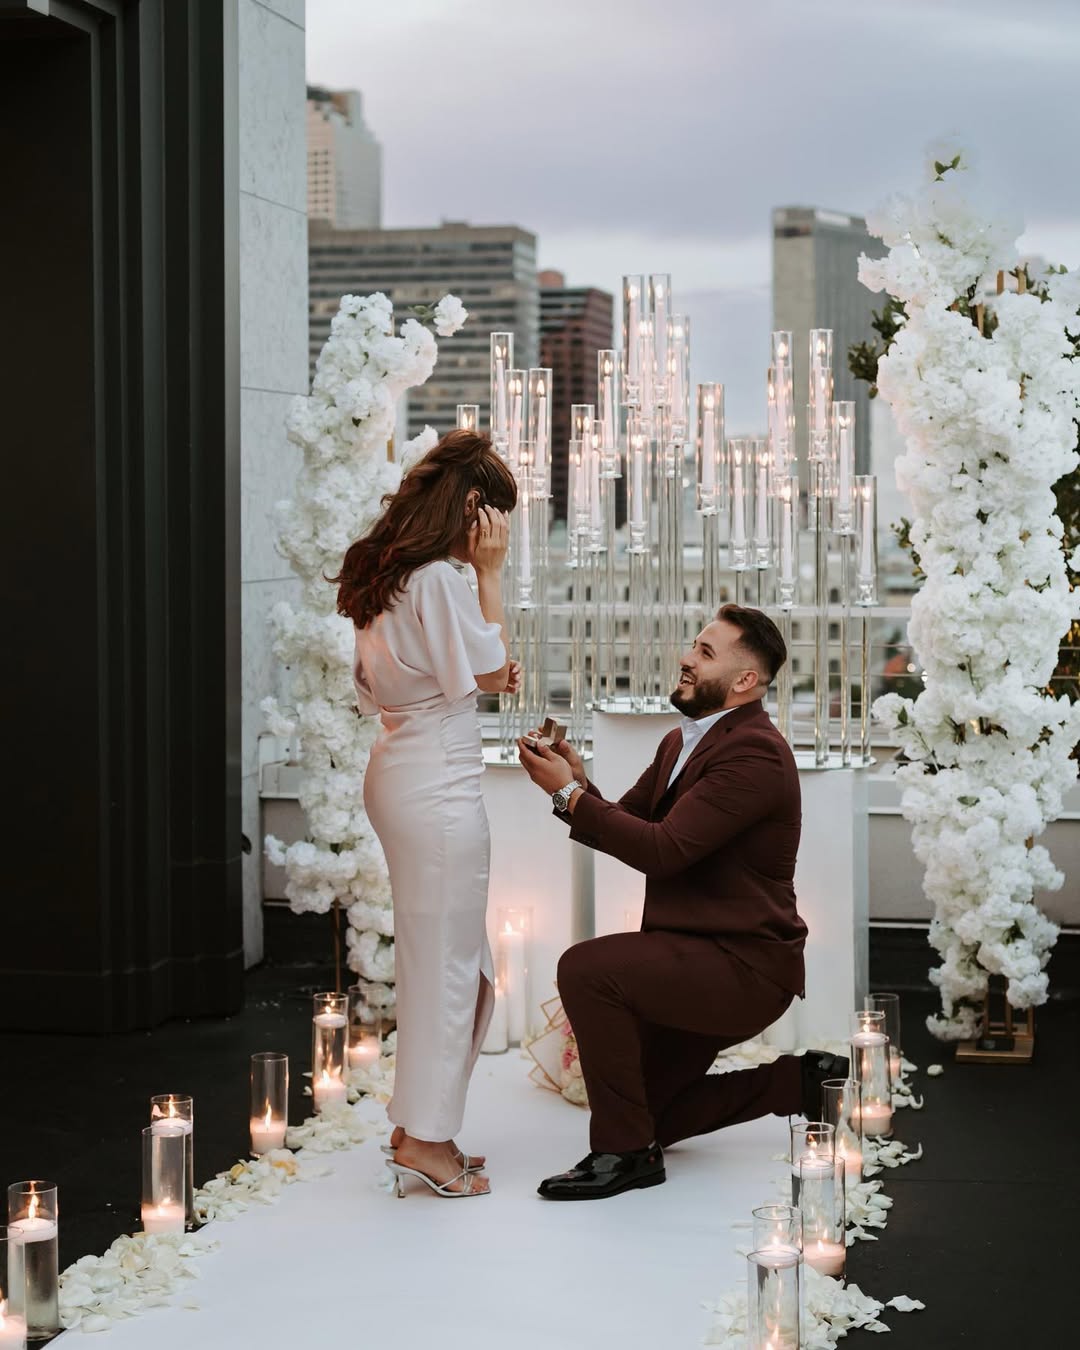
816 1067
603 1174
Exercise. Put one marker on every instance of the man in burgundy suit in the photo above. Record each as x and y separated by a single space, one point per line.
714 824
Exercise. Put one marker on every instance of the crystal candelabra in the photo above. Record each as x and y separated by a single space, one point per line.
790 528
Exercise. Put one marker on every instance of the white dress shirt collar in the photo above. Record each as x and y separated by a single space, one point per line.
693 729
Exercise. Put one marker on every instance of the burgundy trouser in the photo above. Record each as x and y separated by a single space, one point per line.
651 1011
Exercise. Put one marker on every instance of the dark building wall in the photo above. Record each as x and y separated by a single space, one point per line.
574 325
121 360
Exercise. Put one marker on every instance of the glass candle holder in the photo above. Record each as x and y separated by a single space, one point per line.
781 402
12 1291
539 428
468 417
760 463
33 1225
841 1106
711 477
821 392
777 1227
517 384
502 360
889 1004
821 1205
843 435
497 1037
269 1100
659 333
740 503
167 1111
164 1177
786 533
513 940
870 1069
633 303
866 534
329 1035
678 379
812 1144
772 1300
364 1046
608 395
639 474
582 417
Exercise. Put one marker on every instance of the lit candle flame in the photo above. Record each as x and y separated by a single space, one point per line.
32 1211
269 1116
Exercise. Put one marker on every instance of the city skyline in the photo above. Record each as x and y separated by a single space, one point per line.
609 186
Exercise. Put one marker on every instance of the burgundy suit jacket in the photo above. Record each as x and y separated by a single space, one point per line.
717 849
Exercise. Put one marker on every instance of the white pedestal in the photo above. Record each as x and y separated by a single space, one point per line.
534 865
831 875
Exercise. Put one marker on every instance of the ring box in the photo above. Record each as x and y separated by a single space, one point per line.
551 733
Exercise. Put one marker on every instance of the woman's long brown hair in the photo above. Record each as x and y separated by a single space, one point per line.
421 522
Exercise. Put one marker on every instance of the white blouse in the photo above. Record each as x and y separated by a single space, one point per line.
433 640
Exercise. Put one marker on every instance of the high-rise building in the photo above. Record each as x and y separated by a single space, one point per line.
575 323
344 161
492 270
816 285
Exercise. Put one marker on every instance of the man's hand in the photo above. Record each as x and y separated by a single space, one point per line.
567 752
547 769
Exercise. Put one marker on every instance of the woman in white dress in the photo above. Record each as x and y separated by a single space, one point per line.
424 647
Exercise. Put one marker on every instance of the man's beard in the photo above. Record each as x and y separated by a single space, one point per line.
703 696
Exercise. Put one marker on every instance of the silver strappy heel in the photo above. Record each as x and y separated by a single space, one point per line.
467 1178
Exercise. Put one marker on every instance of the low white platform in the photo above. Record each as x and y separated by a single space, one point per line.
341 1262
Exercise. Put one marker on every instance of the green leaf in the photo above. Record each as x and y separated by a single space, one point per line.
968 801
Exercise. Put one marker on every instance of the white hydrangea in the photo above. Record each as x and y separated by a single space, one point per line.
989 428
343 430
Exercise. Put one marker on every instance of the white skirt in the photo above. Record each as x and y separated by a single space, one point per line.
422 796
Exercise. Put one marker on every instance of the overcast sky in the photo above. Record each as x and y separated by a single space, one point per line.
657 135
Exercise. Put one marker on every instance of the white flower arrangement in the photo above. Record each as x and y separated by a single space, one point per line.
343 429
987 411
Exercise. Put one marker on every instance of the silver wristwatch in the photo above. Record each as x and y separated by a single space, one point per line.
561 799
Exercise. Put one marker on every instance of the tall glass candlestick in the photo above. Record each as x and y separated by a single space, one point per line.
866 569
740 497
772 1300
821 391
167 1110
539 433
163 1177
889 1004
502 359
813 1145
761 457
269 1098
659 311
608 387
516 388
843 439
679 375
841 1106
781 402
777 1227
821 1204
33 1224
633 310
12 1291
870 1068
329 1032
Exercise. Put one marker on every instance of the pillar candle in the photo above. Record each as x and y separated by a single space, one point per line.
826 1257
164 1218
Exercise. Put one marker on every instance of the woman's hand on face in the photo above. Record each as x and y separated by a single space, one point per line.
489 539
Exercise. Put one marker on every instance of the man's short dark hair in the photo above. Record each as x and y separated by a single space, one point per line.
760 637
